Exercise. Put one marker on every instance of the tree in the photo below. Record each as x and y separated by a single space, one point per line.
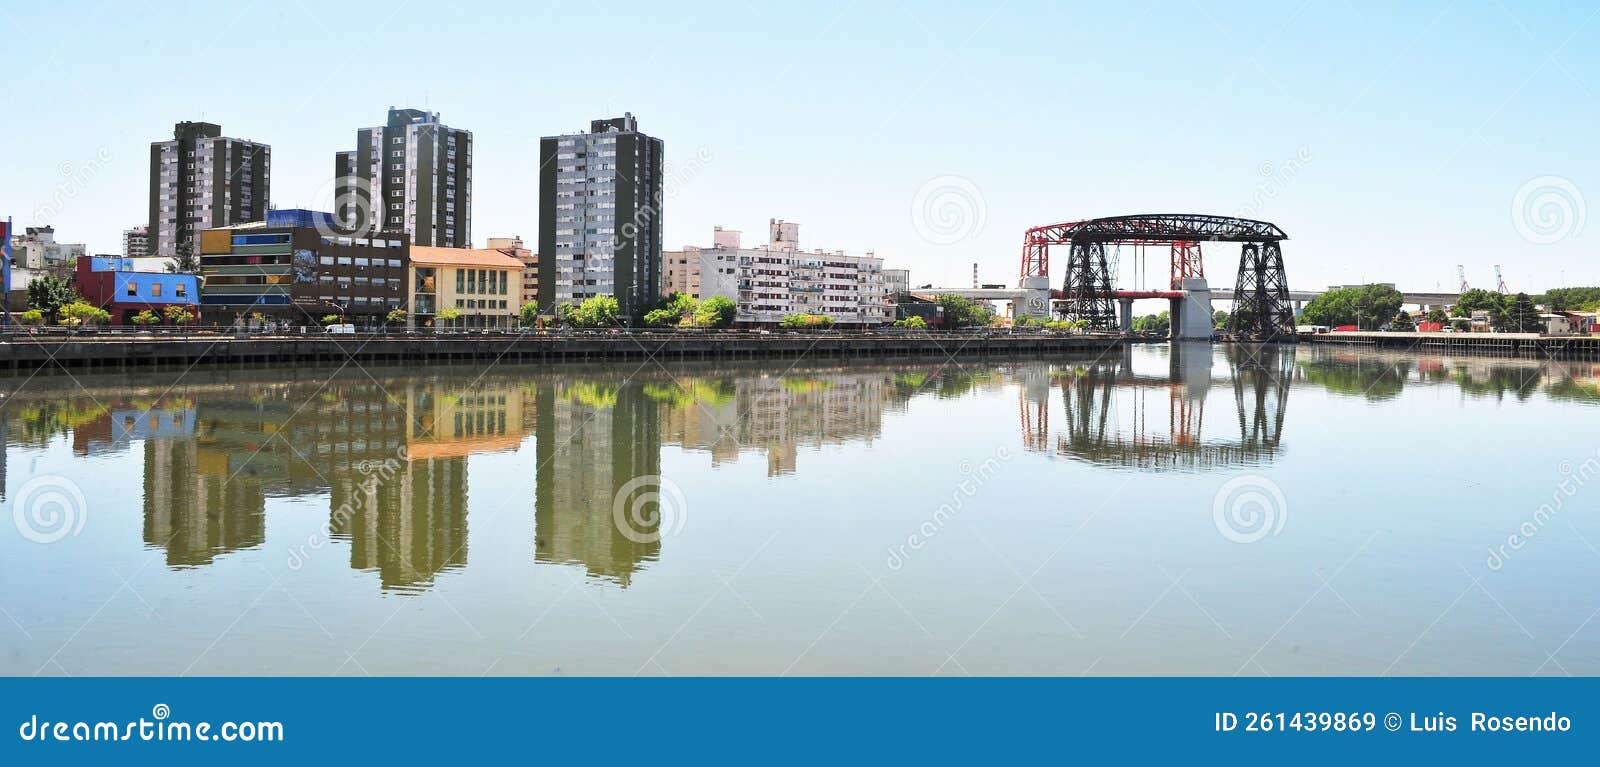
1568 299
916 323
1438 315
185 262
48 294
83 313
716 312
396 317
962 312
447 316
333 319
178 315
1219 320
659 318
31 317
564 314
1478 300
1523 316
597 312
1368 307
145 318
805 321
529 314
1159 324
1402 323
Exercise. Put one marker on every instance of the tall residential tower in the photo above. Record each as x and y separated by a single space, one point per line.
202 180
600 216
413 174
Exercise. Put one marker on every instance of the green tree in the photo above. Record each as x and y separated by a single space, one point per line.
31 317
564 314
1438 315
1368 307
916 323
1153 323
962 312
145 318
396 317
333 319
84 313
1219 320
1523 316
597 312
716 312
805 321
447 316
178 315
1498 305
1572 299
185 262
48 294
529 314
1402 322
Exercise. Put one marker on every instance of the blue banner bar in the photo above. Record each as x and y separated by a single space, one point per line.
816 721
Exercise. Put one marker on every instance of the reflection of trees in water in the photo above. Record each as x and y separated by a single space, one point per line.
1375 380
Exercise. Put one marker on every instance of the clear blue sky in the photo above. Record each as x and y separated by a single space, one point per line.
1418 122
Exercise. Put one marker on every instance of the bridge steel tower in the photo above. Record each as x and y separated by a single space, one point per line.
1261 308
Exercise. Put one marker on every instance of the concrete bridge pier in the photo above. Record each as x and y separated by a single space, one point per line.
1125 315
1034 300
1191 315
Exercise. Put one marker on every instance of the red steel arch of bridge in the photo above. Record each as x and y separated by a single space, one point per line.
1260 299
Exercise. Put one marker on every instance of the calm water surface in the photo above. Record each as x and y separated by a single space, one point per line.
1187 510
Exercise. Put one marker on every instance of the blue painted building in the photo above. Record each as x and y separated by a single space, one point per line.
111 283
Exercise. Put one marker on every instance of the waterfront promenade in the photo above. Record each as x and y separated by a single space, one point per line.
27 352
1494 344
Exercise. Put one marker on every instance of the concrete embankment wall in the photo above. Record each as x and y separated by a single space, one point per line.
1497 344
26 353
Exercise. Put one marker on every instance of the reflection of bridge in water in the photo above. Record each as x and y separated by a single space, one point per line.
1107 409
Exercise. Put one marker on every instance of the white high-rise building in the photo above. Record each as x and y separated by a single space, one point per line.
773 282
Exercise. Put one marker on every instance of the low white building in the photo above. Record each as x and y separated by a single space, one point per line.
780 279
36 248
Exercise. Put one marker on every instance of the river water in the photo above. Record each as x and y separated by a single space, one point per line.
1160 510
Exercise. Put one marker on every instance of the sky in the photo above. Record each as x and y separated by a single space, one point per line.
1391 141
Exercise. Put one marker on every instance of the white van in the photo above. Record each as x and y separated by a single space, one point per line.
346 329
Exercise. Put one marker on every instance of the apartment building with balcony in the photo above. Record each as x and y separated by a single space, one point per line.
202 180
775 281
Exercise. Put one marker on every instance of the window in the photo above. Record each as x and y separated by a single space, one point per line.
472 281
155 290
461 281
181 291
133 290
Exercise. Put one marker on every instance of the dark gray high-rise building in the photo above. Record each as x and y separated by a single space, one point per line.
414 175
202 180
600 216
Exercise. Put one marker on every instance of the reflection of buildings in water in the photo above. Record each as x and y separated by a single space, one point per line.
777 413
406 520
1108 409
594 437
195 507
